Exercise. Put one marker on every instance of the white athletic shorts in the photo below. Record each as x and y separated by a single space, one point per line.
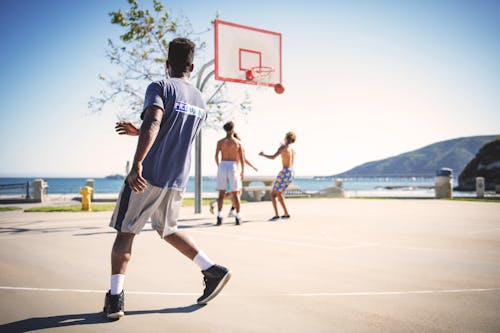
133 209
228 177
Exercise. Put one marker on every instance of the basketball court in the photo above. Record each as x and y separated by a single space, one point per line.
339 265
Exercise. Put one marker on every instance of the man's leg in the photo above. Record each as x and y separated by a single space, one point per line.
121 252
184 245
120 256
281 198
236 201
220 203
237 204
220 199
215 276
233 204
164 221
274 194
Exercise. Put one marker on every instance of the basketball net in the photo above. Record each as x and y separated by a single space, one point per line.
261 75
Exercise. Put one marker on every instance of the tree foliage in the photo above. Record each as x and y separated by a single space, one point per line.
139 57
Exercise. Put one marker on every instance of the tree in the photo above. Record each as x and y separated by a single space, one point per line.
140 58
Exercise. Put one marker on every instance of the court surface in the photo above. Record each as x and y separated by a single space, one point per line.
339 265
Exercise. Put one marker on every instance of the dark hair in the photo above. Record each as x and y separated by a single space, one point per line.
291 137
228 126
181 54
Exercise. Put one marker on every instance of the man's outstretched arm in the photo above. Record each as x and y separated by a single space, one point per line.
272 157
125 127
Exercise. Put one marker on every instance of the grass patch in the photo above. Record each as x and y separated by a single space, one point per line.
71 208
9 208
496 199
189 202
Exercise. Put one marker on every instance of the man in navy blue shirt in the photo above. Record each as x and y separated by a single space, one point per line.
172 117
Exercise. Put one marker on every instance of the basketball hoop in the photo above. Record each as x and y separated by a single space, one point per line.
261 75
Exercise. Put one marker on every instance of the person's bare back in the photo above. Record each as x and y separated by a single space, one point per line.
230 149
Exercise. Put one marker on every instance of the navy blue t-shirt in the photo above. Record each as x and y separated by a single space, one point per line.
168 161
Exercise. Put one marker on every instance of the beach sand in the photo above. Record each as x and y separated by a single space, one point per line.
338 265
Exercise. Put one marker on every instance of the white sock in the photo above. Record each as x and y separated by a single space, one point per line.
203 261
117 282
219 213
238 215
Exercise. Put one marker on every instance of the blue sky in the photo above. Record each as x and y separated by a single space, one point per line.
364 80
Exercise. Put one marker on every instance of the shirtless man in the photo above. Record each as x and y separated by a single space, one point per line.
285 176
230 195
230 151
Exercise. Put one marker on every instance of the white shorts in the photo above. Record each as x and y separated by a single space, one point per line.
228 176
133 210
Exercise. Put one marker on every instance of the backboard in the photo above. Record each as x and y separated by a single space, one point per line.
243 53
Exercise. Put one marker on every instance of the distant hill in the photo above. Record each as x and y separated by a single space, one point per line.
454 154
486 164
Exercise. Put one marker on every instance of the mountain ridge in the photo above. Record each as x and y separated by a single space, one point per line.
453 153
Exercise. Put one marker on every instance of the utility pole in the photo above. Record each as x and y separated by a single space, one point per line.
198 182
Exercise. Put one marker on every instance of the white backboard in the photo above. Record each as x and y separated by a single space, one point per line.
239 48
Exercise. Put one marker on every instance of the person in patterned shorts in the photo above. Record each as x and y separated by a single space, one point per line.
285 176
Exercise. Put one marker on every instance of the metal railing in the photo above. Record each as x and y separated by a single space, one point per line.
16 189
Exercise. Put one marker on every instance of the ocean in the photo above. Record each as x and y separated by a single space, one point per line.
355 187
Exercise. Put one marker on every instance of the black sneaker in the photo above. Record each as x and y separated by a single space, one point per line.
274 218
219 220
215 278
113 305
238 220
285 216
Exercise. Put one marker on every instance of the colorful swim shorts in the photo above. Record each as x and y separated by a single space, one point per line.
284 178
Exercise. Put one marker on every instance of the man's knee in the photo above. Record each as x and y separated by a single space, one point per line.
122 247
120 255
176 237
168 237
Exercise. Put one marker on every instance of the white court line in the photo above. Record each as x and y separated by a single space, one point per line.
93 291
391 293
364 293
277 241
417 248
484 231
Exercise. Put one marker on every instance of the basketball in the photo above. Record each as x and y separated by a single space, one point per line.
250 75
279 89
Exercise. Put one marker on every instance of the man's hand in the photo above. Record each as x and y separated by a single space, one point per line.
261 153
125 127
135 180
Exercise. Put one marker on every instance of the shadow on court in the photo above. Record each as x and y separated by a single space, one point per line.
112 231
38 323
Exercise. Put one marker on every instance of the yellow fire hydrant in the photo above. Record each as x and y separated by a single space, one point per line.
86 193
